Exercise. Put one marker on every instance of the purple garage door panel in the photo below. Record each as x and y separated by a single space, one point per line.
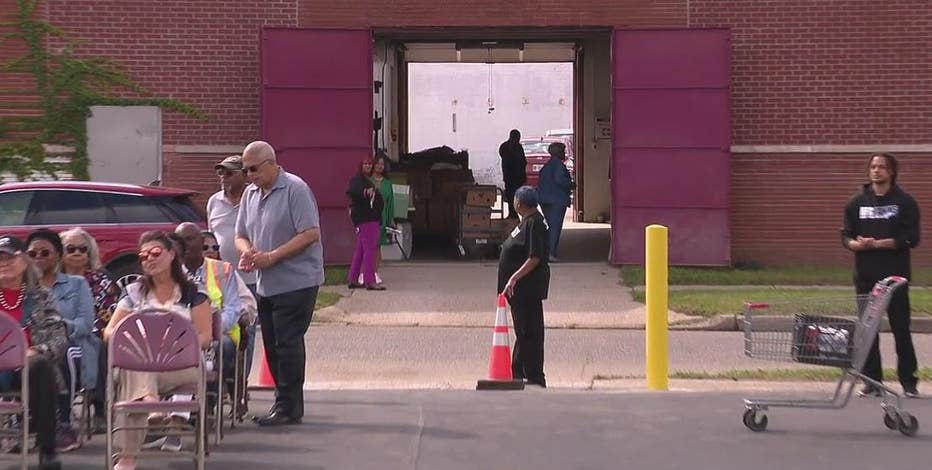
672 118
317 118
687 171
317 58
317 112
329 182
695 235
338 234
671 130
688 58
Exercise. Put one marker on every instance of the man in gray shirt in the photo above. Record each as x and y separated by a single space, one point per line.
278 236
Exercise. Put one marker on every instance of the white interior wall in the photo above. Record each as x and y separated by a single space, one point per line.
449 105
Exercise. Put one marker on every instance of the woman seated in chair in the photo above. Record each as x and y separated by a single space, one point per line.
23 297
165 286
82 258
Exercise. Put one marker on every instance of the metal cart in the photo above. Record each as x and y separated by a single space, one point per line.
828 341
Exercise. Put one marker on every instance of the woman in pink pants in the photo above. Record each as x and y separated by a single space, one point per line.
366 212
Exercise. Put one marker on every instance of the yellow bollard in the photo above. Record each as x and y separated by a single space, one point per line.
656 265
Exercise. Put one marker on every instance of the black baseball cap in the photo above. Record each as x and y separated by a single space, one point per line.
11 245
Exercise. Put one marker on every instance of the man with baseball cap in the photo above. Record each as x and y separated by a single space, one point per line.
222 209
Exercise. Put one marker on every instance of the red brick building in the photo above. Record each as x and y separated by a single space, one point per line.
813 87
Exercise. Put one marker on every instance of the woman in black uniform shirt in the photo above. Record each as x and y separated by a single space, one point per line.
524 277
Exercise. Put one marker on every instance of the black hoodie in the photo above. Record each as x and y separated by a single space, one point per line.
894 215
362 208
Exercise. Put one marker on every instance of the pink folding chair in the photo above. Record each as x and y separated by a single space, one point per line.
156 340
13 348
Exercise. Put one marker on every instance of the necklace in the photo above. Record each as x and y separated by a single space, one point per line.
19 300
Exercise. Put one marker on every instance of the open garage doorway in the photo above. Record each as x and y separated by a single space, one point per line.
465 96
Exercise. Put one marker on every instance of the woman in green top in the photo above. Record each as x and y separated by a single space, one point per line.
384 185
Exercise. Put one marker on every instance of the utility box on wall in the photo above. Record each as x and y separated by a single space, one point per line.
124 144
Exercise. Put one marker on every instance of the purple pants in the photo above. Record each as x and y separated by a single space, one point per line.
367 244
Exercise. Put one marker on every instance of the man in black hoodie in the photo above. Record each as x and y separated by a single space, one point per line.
881 226
514 168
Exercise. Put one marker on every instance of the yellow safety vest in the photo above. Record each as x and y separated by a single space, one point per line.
213 275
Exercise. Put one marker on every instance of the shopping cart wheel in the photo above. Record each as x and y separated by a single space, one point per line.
907 424
755 421
890 422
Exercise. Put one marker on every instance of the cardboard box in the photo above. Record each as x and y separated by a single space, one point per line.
481 196
477 221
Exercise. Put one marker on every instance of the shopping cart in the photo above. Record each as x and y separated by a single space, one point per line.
814 338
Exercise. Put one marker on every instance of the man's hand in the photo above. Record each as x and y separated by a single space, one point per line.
262 259
866 243
247 261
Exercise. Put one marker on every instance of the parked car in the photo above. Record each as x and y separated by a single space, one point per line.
567 134
535 150
114 214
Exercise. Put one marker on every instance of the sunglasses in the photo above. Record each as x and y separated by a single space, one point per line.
71 249
229 173
153 253
211 247
255 168
43 253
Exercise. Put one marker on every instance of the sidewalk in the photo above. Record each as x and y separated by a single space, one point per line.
462 294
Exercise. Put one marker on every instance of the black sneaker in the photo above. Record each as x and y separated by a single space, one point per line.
911 391
870 391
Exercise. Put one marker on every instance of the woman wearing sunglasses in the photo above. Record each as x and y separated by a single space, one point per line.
76 307
82 258
23 297
163 285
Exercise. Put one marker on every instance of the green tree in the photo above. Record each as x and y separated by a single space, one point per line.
66 86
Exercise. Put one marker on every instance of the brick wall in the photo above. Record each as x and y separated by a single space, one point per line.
204 52
828 71
485 13
787 208
17 90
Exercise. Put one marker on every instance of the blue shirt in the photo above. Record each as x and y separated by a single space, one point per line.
554 183
270 220
75 303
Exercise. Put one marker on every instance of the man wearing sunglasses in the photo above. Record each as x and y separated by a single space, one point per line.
278 236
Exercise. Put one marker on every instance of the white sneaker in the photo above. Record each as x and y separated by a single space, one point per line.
378 280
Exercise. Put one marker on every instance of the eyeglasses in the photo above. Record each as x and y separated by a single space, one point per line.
43 253
71 249
153 253
255 168
211 247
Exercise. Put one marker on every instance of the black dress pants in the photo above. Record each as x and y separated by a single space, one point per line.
899 314
528 357
284 319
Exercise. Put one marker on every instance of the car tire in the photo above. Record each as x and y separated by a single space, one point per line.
123 267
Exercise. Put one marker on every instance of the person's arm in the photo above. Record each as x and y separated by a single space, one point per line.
49 333
306 222
243 244
83 322
123 309
232 305
906 233
849 230
200 316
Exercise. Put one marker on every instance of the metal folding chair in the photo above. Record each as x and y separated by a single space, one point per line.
155 340
13 348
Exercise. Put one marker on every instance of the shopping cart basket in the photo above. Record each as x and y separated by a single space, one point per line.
815 338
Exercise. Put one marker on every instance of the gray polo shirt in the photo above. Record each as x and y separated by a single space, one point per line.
221 219
270 220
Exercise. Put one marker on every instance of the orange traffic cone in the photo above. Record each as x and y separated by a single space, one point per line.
500 377
266 382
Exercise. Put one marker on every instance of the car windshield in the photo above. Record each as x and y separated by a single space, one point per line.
535 147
